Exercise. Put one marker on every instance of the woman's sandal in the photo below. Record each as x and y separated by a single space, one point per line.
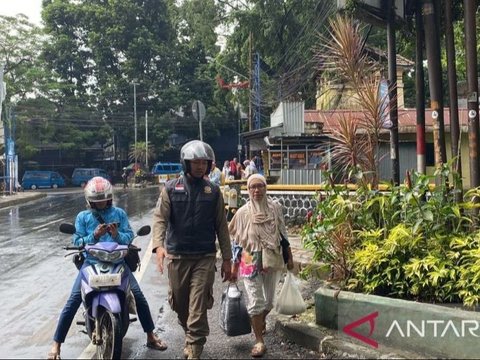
259 349
157 345
52 355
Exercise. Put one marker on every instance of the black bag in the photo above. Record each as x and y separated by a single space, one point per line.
285 245
133 259
234 319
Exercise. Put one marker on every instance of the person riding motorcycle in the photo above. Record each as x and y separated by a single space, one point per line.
90 229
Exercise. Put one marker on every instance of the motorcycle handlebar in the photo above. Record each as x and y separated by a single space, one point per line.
73 247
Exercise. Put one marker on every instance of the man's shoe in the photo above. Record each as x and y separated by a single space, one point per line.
192 351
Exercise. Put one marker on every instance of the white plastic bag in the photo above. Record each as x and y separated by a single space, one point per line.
290 301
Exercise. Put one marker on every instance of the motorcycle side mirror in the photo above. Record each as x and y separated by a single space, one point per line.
144 230
67 228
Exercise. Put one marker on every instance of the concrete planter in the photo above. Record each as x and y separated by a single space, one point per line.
375 321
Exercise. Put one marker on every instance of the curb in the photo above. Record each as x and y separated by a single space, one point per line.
332 344
12 200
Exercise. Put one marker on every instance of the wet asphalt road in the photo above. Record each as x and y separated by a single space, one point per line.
35 281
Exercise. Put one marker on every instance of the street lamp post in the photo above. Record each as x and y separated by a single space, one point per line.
146 139
135 120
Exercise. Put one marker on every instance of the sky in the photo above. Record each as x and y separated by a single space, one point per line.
31 8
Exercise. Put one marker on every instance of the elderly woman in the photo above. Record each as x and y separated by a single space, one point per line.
256 231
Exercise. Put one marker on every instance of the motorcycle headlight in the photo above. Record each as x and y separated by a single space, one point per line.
106 256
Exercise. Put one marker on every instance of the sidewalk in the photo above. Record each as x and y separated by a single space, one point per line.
20 198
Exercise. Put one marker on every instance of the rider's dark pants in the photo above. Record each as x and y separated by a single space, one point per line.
75 299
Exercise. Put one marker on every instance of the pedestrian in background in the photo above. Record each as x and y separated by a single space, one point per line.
233 168
258 163
215 175
125 178
240 172
189 216
255 229
250 168
226 170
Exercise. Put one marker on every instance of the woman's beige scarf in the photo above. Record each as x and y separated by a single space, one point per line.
256 225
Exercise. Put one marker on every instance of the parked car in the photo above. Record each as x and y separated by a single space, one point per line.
35 179
166 171
80 176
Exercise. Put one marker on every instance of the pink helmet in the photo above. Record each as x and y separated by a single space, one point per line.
98 189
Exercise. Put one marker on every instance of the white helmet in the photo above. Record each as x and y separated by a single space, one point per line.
196 150
98 189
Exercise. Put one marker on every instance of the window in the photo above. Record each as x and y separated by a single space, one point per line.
296 160
275 159
40 176
314 159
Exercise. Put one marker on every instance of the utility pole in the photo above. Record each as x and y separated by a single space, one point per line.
135 118
452 87
239 145
146 139
432 43
200 130
256 94
472 92
250 117
392 92
420 90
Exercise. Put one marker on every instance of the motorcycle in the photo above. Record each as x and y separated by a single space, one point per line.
106 295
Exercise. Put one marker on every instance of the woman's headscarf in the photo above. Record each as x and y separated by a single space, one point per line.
257 226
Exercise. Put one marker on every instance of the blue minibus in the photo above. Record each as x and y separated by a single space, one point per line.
80 176
34 179
166 171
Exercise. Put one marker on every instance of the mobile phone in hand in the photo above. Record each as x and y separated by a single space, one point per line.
113 224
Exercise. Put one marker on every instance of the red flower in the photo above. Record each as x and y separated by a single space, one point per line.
309 215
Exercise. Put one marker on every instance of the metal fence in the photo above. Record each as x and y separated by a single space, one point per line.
300 176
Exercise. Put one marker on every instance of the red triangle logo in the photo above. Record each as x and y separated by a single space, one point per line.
370 318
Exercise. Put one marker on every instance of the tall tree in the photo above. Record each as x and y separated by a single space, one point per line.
29 84
284 33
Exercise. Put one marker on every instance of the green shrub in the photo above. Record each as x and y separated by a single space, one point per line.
412 242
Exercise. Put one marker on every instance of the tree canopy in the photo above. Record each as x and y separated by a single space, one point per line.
72 82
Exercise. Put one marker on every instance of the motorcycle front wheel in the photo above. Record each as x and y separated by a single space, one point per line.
110 346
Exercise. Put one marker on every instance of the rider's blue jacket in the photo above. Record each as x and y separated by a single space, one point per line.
86 223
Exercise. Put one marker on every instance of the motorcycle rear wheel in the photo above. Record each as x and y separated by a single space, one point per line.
111 333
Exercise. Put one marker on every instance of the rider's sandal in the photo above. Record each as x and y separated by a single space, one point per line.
53 356
259 349
157 345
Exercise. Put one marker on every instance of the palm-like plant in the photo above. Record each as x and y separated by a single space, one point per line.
355 139
141 153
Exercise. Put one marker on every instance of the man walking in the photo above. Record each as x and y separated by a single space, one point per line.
189 216
125 178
